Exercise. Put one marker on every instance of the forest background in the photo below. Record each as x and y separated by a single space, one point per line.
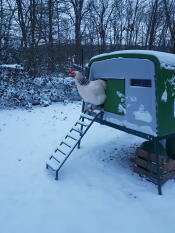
47 37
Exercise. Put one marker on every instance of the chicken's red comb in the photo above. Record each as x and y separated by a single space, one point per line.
71 72
72 69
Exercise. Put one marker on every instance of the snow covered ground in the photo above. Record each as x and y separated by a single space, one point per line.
97 192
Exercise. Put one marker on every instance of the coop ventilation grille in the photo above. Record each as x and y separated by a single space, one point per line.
141 82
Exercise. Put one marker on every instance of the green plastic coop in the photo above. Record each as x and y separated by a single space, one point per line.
140 92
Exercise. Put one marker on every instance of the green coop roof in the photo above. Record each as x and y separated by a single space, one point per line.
166 60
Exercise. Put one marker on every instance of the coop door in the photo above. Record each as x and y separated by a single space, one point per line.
115 101
140 102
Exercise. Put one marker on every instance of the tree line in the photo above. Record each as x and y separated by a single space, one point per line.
46 36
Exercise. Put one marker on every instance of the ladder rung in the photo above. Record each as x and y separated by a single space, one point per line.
60 151
82 123
53 164
67 144
70 136
77 130
83 115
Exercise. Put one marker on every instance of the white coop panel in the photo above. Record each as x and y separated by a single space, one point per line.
139 76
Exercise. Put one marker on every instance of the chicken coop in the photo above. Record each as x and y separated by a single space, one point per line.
140 94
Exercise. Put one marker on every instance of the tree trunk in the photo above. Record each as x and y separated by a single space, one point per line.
50 44
170 24
153 25
78 8
1 23
78 39
32 51
22 23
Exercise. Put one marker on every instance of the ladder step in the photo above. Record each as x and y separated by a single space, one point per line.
83 115
77 130
97 111
60 151
59 157
82 123
53 164
73 137
67 144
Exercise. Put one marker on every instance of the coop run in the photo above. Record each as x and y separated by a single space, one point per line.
140 96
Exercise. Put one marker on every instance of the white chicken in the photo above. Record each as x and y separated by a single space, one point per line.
92 92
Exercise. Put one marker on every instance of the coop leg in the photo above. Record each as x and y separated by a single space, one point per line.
156 150
56 175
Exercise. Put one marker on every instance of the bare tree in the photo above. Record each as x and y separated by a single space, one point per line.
32 39
7 11
48 33
50 39
117 22
152 24
102 14
77 9
22 21
170 13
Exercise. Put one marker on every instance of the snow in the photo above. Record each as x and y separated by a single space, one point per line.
142 115
12 66
140 128
172 81
24 91
164 97
119 94
132 98
121 108
167 60
97 190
